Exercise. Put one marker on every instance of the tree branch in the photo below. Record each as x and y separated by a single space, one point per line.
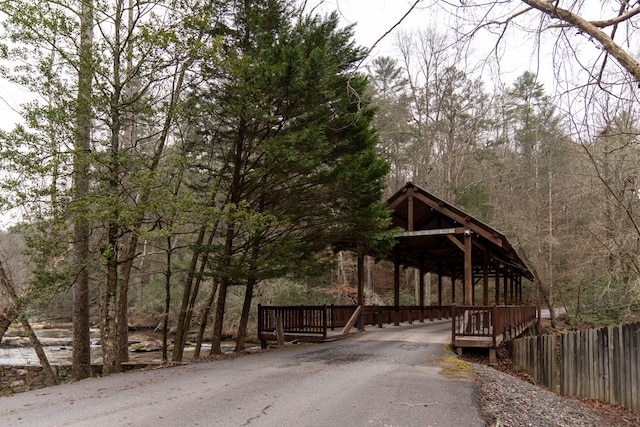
551 9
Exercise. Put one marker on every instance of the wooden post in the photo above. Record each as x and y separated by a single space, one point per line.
519 289
421 316
280 330
357 314
396 291
453 289
410 211
440 286
496 282
511 295
361 288
505 282
453 324
485 278
473 290
468 272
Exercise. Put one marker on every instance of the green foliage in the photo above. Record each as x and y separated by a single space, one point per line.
406 297
600 303
475 199
284 291
286 130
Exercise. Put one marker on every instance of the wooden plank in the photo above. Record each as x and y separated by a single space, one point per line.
620 386
461 219
577 364
600 350
610 383
280 330
634 349
591 373
554 363
561 367
468 268
431 232
626 343
571 364
352 320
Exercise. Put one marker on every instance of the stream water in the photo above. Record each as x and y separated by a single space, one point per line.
57 343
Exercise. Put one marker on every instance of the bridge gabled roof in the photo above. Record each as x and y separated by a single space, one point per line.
433 237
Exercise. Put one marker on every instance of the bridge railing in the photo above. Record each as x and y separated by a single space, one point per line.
491 321
303 321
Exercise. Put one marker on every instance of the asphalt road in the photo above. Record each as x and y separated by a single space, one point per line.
382 377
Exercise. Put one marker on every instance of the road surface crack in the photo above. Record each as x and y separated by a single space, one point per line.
262 412
413 405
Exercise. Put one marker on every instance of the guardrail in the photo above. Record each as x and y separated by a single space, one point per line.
493 322
312 322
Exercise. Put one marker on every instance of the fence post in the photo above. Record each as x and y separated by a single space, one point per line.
279 330
453 324
332 316
263 343
494 324
324 321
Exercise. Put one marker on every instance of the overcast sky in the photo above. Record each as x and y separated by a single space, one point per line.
374 18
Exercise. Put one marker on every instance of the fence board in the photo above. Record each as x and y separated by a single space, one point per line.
599 364
634 350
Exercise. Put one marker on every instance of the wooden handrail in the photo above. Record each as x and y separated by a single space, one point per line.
490 321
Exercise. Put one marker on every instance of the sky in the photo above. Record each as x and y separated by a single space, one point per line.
374 18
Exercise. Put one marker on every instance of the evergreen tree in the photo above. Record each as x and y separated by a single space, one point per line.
284 121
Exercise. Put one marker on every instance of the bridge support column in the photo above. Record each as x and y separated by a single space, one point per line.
492 356
361 288
396 291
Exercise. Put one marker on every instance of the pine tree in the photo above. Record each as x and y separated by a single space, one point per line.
286 124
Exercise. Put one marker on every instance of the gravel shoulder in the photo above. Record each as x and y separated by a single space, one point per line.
509 397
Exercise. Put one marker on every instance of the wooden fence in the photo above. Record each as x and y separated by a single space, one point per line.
312 322
602 364
493 322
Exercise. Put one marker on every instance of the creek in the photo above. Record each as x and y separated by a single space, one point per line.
57 342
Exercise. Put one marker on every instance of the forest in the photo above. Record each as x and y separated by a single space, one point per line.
183 161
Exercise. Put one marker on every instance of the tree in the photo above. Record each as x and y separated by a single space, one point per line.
114 99
572 25
81 365
449 112
570 17
613 155
533 197
391 99
284 121
39 42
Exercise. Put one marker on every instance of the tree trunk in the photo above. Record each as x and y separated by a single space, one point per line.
7 317
167 301
218 320
42 357
244 317
182 326
81 359
189 297
222 292
203 320
12 314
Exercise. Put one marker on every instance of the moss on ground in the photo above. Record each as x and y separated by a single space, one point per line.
455 368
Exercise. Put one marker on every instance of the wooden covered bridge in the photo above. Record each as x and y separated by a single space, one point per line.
435 237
